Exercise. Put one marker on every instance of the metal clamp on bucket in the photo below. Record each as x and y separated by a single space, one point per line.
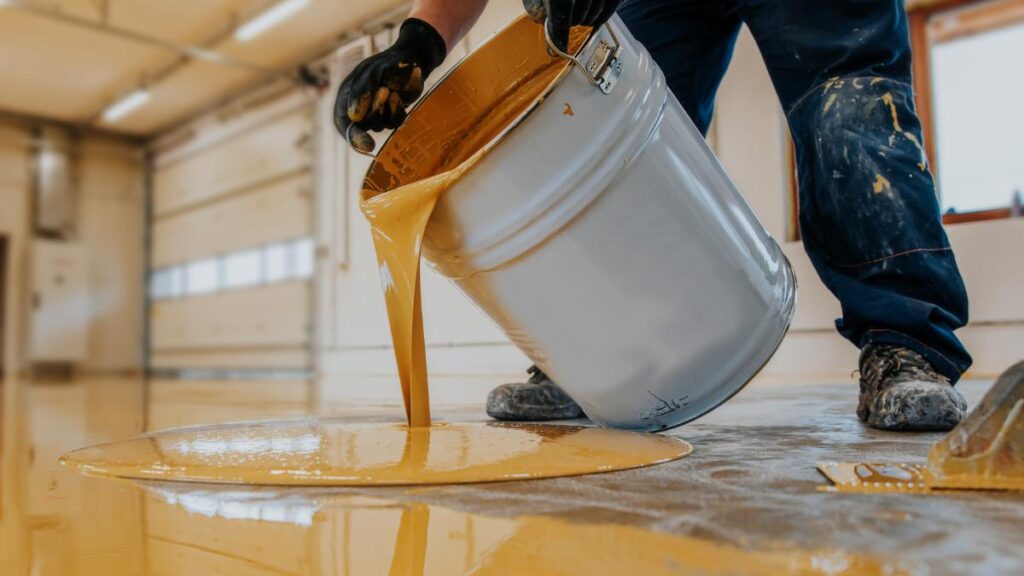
604 67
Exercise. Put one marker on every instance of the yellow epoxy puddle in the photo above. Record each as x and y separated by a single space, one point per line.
340 453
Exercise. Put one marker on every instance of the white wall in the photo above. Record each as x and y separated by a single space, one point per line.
748 134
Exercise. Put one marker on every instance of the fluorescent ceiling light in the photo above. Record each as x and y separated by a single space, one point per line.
269 18
125 106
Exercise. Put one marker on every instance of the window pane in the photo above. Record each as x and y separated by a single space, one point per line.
978 83
166 283
202 276
243 269
302 258
275 257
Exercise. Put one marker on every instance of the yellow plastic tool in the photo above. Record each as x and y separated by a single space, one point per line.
985 452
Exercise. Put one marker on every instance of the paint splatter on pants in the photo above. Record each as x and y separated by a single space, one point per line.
869 215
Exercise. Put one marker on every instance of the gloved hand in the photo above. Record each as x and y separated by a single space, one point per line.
376 94
561 15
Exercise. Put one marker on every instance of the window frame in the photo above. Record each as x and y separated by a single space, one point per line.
961 19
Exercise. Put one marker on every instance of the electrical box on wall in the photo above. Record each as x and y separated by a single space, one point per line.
59 323
54 183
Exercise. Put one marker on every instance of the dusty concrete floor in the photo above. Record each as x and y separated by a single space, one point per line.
747 501
752 481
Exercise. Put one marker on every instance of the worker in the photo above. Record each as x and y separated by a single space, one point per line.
869 216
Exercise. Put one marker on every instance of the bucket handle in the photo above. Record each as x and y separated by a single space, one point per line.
604 67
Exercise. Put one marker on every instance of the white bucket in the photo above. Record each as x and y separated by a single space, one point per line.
604 238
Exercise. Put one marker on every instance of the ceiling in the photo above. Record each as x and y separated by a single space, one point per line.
68 60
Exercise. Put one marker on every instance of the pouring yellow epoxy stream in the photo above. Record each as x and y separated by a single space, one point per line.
398 219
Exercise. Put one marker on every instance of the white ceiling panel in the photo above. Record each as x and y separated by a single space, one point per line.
69 59
58 71
176 20
194 87
308 31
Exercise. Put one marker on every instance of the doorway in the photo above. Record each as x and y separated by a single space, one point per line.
3 303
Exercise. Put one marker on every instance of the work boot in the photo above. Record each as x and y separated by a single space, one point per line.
533 401
900 390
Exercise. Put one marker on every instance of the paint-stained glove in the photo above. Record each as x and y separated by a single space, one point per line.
378 91
561 15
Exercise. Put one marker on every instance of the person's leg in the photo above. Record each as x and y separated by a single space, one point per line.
692 42
869 214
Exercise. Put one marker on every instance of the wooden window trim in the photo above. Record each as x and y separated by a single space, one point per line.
952 24
937 21
979 216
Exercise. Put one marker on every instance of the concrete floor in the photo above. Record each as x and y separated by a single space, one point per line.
752 481
748 500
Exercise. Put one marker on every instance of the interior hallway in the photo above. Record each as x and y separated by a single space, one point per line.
748 499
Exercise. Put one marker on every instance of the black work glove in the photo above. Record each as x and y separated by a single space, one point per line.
561 15
376 94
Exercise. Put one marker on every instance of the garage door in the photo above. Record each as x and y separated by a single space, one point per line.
231 248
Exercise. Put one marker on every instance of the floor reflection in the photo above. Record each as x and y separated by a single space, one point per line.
54 522
197 528
358 534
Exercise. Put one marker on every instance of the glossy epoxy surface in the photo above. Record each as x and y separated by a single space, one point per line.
747 501
341 453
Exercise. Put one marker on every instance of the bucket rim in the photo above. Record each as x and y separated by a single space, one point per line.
567 68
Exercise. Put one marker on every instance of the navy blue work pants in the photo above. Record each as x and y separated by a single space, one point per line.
869 215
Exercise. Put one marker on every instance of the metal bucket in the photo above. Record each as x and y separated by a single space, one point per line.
600 232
